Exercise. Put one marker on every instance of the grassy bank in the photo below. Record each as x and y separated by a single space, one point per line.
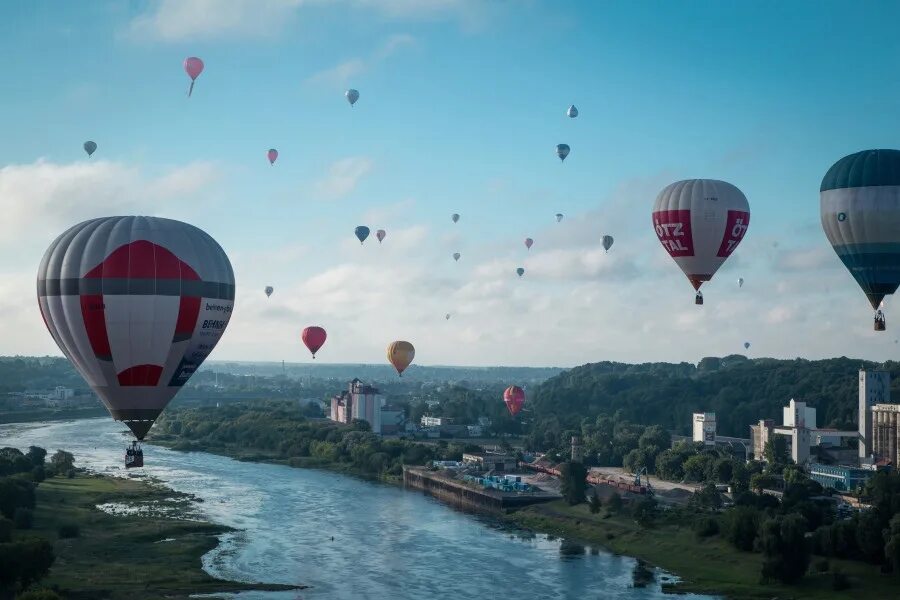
148 555
51 414
710 565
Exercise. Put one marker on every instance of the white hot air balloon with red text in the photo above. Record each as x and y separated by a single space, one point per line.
700 222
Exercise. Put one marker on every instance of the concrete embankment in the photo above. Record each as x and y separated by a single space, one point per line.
468 497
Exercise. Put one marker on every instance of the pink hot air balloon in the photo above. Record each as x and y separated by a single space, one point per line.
380 235
193 66
528 243
272 155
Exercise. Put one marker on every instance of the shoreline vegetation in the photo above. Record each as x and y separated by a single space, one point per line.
145 543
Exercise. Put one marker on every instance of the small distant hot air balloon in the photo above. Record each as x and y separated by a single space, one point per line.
447 317
400 354
520 271
456 256
193 66
607 242
528 243
740 282
562 151
380 235
272 155
90 147
455 217
559 217
352 96
746 345
514 398
314 338
700 222
362 232
269 290
572 112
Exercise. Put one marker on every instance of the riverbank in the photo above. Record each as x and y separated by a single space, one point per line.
147 543
37 415
709 565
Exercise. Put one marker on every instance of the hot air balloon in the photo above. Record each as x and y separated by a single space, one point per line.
90 147
400 354
456 256
528 243
559 217
455 217
572 112
860 212
746 345
447 317
700 222
136 304
520 271
562 151
607 241
193 66
740 282
272 155
269 290
362 232
314 338
352 96
514 398
380 235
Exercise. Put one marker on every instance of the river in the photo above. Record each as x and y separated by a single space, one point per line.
388 542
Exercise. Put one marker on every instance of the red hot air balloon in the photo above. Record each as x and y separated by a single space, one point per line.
272 155
514 398
314 338
136 304
193 66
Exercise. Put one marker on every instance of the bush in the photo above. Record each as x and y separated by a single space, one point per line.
38 595
24 518
70 473
38 474
706 527
69 530
822 566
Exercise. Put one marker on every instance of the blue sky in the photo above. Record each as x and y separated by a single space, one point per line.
462 104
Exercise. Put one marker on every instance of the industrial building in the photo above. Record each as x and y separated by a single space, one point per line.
885 419
799 426
838 477
365 403
705 428
874 389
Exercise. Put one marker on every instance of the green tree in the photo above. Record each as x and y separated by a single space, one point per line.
707 497
869 536
786 551
776 454
595 502
62 461
670 465
573 482
741 526
644 511
23 563
761 481
36 455
697 467
614 504
892 544
43 594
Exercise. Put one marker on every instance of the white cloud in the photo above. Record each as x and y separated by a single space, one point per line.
342 74
343 177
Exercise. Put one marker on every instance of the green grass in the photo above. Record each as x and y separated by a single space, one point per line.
710 565
118 556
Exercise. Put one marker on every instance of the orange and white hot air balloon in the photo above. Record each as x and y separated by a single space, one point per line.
700 222
400 354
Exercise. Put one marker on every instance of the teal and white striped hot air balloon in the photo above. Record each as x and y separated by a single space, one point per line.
860 210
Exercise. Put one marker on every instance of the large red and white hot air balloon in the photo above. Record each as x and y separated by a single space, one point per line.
136 304
700 222
514 398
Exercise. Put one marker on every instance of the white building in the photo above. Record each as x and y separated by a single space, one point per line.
705 428
436 421
798 414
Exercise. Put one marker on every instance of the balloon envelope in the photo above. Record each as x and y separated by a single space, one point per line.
313 337
352 96
562 151
447 317
572 112
700 222
740 282
400 354
860 212
456 256
520 271
528 243
455 217
607 242
362 232
380 235
272 155
559 217
746 345
514 398
136 304
193 66
90 147
269 290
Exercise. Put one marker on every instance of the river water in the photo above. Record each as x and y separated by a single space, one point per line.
389 543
